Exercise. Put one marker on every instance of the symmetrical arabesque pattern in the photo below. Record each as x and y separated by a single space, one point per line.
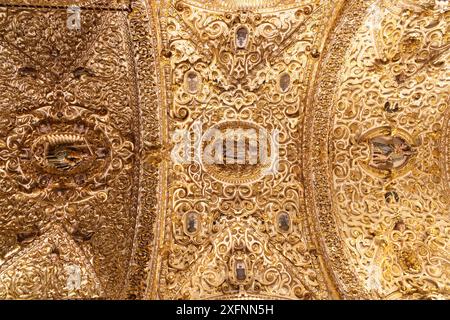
385 145
384 214
354 204
69 151
231 231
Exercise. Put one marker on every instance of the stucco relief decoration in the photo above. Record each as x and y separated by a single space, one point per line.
224 149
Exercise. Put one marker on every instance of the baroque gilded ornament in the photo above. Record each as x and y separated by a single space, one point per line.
235 149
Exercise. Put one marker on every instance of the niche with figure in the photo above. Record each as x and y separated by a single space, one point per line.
241 273
192 81
284 222
389 152
191 223
242 36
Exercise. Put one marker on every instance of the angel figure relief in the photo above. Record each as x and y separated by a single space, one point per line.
390 152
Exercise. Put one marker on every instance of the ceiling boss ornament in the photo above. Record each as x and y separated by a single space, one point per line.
60 158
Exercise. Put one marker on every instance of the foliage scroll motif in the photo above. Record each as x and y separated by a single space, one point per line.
250 236
387 162
70 151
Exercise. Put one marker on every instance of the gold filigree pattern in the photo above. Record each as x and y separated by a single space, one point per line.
246 4
238 58
389 117
341 189
46 268
70 148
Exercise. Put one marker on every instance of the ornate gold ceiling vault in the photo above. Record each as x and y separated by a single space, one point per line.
352 203
377 167
79 108
221 237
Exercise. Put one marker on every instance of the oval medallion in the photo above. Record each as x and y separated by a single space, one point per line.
238 152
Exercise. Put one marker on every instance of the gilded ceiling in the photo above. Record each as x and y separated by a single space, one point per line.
349 99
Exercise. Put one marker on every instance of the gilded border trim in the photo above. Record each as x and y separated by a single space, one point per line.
316 159
141 28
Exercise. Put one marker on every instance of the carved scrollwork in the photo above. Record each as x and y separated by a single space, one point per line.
249 232
390 109
58 157
70 143
317 165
